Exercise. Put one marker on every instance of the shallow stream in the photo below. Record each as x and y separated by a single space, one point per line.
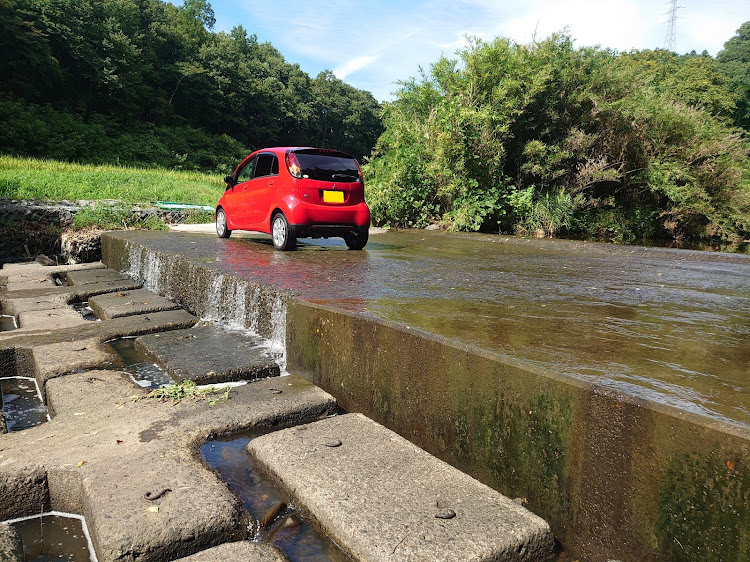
292 533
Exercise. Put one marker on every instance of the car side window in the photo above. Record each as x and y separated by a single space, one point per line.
268 165
246 173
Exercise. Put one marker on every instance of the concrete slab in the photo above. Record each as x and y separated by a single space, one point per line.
102 453
382 498
127 303
49 299
29 299
87 277
55 319
103 331
207 355
24 275
56 359
242 550
10 545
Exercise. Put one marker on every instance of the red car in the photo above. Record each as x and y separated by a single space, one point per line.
293 193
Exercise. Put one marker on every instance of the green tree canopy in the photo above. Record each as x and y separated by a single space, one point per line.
150 69
549 138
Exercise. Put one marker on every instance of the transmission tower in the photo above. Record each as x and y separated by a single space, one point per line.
670 40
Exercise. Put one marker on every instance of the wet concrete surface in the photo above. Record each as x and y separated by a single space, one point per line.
209 355
667 325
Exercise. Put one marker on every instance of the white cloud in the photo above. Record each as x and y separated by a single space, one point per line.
352 66
349 36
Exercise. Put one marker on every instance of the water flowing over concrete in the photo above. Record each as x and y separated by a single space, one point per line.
606 385
667 325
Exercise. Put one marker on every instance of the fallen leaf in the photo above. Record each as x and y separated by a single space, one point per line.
79 413
120 441
154 509
80 464
730 465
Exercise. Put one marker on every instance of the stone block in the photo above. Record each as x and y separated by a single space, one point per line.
128 303
382 498
209 355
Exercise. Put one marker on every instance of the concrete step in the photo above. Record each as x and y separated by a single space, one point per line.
209 355
382 498
128 303
89 276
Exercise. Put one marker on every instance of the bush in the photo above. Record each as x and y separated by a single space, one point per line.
551 139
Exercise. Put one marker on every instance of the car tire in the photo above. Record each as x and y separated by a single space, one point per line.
222 228
357 241
281 233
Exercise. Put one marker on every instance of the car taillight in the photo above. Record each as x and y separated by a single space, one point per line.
292 165
359 169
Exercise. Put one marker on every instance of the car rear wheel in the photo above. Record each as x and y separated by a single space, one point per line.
283 238
356 241
221 224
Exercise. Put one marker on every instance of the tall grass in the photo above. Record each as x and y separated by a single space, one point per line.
28 178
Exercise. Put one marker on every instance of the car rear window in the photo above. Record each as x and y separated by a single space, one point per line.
328 165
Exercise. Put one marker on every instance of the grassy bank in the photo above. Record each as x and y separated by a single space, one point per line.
49 180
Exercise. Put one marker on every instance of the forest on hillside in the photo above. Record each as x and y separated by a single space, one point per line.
550 139
546 138
145 82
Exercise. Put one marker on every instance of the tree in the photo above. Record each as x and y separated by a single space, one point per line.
734 61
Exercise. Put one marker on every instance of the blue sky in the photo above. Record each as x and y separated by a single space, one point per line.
371 44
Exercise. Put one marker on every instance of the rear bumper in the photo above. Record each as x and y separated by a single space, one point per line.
326 230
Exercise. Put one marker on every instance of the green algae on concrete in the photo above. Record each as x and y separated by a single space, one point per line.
705 507
588 459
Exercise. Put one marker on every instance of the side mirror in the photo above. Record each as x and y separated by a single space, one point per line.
229 180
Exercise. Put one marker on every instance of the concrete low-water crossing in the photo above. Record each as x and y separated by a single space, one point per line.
605 385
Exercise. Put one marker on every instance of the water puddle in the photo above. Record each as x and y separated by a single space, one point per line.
280 525
85 310
7 323
54 537
22 403
138 365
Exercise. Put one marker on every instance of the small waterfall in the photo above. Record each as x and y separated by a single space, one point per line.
214 300
278 331
234 302
145 266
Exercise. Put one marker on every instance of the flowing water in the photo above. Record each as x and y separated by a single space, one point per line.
85 310
668 325
54 537
293 534
22 403
141 369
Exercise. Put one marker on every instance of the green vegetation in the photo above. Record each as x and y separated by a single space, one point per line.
548 139
23 178
148 83
177 392
115 217
542 139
